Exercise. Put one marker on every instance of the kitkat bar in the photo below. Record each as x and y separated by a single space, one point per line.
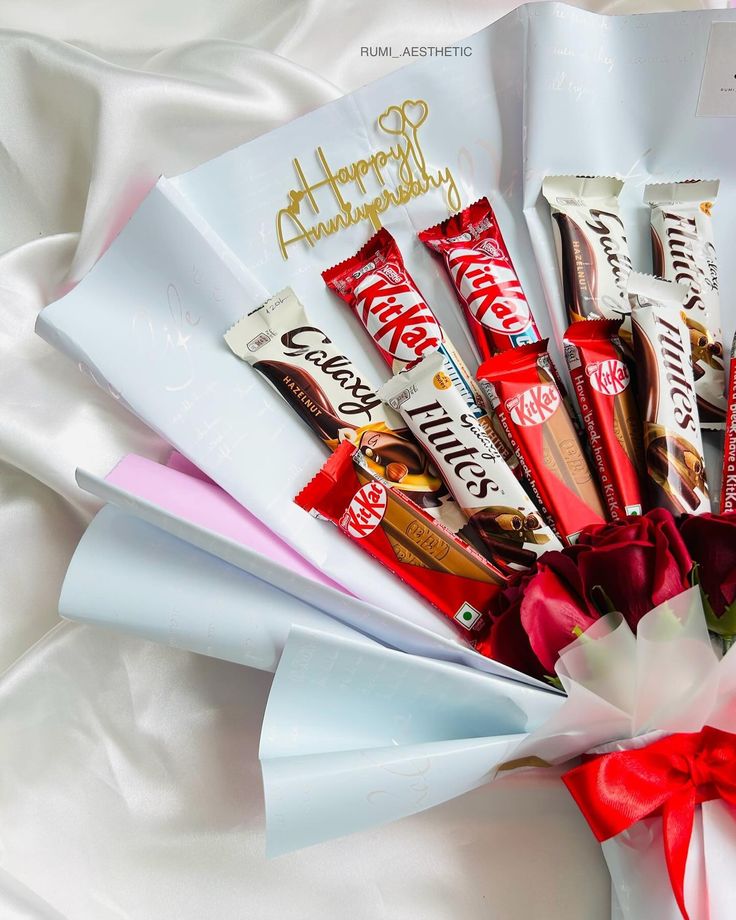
683 251
385 298
428 557
673 443
592 248
523 391
728 484
485 281
605 392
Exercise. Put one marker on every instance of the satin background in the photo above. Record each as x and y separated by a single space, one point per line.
129 778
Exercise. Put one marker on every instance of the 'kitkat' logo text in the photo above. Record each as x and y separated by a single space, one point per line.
609 377
489 286
534 406
365 511
396 317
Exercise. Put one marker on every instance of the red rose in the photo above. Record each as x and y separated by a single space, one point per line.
634 565
507 641
555 606
711 540
639 562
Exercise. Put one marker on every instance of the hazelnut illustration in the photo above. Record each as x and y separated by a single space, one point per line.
395 472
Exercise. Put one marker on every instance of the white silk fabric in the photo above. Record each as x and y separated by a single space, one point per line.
129 779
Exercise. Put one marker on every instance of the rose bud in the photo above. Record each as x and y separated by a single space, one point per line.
711 540
630 566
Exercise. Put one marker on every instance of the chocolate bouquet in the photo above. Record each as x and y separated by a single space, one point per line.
448 440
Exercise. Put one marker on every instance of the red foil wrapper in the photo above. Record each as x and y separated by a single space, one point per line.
385 298
604 390
523 391
728 486
440 567
484 278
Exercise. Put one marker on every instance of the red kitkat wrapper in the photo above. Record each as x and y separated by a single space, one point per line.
484 278
386 299
603 387
440 567
522 389
728 485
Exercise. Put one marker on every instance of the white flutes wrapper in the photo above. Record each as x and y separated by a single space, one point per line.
490 495
673 444
683 250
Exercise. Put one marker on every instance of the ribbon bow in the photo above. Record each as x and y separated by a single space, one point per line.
668 777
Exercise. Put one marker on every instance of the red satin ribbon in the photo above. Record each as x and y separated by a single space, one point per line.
670 778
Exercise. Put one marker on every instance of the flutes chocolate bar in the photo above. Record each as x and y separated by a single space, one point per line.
683 250
496 505
673 444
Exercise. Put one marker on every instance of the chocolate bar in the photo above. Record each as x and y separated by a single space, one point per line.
673 445
683 251
387 301
379 519
603 385
522 388
485 281
592 248
327 391
728 484
488 493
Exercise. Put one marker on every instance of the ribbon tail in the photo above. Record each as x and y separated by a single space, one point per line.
678 816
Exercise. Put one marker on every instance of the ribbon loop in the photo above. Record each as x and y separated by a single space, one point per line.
701 769
669 777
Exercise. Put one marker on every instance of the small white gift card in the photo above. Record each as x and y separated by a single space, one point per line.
718 89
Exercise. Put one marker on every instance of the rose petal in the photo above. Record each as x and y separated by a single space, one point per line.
550 612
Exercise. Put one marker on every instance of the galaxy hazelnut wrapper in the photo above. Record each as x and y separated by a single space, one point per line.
605 393
728 484
485 281
327 392
592 249
683 251
522 388
383 522
510 528
673 444
387 301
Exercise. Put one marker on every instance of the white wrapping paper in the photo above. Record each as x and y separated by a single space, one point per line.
549 89
124 574
431 731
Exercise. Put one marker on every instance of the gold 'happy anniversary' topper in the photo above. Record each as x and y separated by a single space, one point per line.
406 155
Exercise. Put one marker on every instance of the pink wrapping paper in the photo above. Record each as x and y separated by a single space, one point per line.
183 490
